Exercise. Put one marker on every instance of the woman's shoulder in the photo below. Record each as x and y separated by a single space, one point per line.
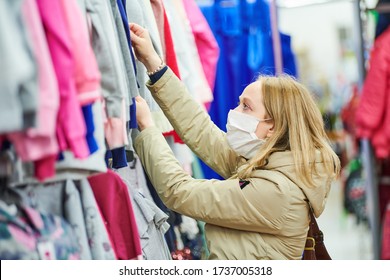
274 179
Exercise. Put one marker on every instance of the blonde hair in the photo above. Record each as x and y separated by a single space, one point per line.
298 127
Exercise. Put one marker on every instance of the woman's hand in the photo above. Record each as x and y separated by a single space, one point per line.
144 116
143 47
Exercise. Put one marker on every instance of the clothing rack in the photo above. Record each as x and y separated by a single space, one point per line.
368 158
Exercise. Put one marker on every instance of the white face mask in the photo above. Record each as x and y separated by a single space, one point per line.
241 134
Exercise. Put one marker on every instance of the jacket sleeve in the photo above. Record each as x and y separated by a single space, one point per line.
260 206
193 124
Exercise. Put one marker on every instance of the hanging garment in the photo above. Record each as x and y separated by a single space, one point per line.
288 56
18 85
126 63
168 51
372 115
139 12
133 121
257 40
170 235
383 22
113 77
59 198
113 199
119 153
98 238
151 25
152 225
40 143
158 11
206 43
190 68
134 175
71 130
86 70
170 55
225 20
246 50
71 167
27 234
385 248
90 127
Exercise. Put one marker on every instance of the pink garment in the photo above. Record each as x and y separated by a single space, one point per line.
206 43
158 11
373 116
86 71
115 129
40 143
71 130
113 199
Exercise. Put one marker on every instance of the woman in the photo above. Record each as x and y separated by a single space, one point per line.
275 158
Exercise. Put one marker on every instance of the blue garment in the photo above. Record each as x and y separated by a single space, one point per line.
243 31
123 13
133 115
88 118
382 24
122 10
119 158
288 57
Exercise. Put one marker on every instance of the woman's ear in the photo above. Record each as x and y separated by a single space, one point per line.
270 131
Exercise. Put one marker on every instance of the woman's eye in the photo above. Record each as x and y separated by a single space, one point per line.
244 106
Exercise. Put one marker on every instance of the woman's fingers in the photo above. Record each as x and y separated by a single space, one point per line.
137 30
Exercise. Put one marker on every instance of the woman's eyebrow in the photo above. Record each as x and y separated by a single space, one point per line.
246 99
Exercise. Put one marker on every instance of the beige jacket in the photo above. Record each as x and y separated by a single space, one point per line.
265 219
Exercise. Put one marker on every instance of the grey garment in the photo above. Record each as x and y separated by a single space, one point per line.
62 199
107 51
18 71
127 64
152 225
150 24
136 14
98 238
125 50
75 168
137 11
135 176
82 6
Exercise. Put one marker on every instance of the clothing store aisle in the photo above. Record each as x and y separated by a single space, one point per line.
343 237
